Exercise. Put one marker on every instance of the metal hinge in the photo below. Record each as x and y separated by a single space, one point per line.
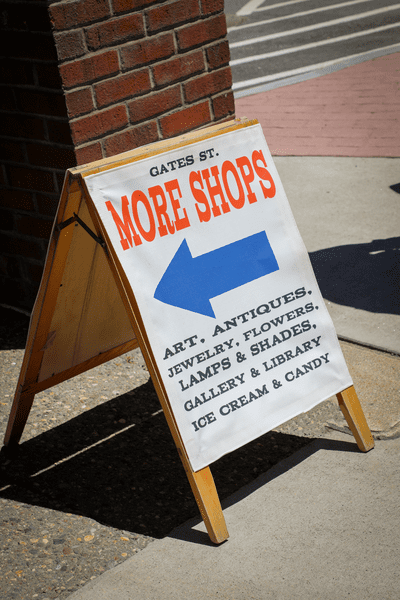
76 219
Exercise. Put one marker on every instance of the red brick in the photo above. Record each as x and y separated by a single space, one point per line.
126 86
112 32
147 107
202 32
7 100
16 71
35 271
60 178
172 14
65 15
120 6
132 138
31 179
218 55
59 132
17 199
21 246
39 46
209 7
147 51
185 120
48 155
29 45
86 70
47 205
178 68
9 265
79 102
12 151
15 293
22 127
98 124
223 106
208 84
26 17
70 44
48 75
331 115
41 103
14 266
89 153
6 220
29 225
3 266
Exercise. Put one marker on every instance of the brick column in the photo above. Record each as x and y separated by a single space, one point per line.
136 71
36 147
87 79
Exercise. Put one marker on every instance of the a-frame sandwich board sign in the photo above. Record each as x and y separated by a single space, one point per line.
188 248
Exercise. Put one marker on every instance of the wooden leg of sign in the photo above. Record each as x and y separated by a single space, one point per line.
18 417
39 326
201 482
205 493
353 413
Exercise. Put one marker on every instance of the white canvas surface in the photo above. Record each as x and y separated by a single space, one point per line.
241 335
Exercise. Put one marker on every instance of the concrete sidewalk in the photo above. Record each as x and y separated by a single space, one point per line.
336 144
326 522
323 524
349 219
351 112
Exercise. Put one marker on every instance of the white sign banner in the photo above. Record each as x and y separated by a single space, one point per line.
240 332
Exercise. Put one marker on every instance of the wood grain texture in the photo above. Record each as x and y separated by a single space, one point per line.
354 415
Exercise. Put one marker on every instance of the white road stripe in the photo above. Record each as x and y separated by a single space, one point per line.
347 62
323 65
298 14
253 5
341 38
280 34
106 439
283 4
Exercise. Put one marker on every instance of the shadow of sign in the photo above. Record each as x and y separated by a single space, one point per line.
118 464
364 276
187 531
13 329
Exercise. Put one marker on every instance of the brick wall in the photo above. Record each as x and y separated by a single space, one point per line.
136 71
36 146
96 78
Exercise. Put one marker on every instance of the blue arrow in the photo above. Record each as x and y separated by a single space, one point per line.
189 282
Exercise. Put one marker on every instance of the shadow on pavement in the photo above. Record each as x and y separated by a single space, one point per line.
117 462
127 476
364 276
187 531
13 329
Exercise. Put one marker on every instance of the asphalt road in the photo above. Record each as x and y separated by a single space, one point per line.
271 40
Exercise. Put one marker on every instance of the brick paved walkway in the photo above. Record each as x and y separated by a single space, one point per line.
352 112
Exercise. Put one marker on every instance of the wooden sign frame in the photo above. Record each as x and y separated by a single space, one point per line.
83 285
